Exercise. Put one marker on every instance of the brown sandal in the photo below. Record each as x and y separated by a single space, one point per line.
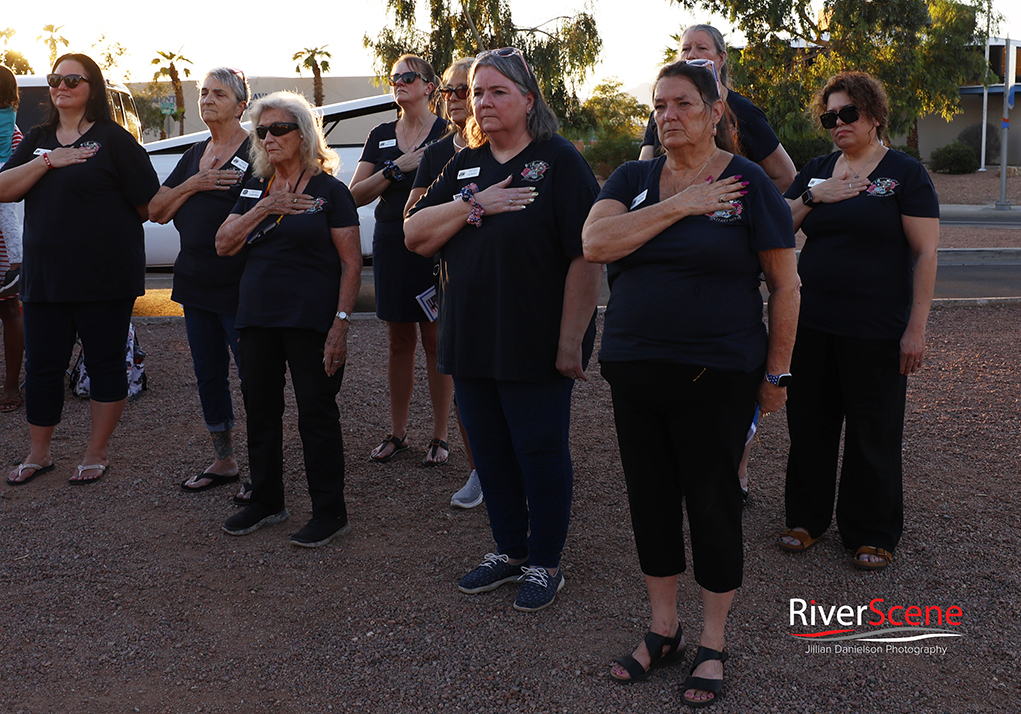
805 540
887 558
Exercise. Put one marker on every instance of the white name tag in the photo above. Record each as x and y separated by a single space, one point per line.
815 182
239 163
639 199
251 193
387 143
468 173
41 152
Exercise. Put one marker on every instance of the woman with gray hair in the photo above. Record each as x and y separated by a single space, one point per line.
298 226
517 315
198 196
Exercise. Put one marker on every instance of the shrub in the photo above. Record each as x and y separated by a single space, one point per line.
972 136
913 153
605 155
806 147
955 158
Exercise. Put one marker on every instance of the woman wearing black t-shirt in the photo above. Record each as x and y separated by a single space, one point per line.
87 184
871 218
198 196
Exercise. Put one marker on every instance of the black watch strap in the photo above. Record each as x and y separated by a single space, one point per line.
807 198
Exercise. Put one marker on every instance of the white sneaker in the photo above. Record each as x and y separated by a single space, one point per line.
470 495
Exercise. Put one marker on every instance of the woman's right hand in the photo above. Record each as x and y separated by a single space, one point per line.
839 188
711 196
68 155
286 203
500 199
410 161
214 180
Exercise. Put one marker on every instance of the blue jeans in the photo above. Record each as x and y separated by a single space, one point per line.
518 432
212 338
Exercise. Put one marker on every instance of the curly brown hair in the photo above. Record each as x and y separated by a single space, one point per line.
866 93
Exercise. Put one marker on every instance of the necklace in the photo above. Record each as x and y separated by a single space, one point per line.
411 146
457 146
700 170
867 161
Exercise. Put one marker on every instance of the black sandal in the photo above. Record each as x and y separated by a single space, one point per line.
654 643
430 453
245 497
713 686
398 444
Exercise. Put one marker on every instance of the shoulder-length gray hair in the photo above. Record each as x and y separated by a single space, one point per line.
316 155
542 123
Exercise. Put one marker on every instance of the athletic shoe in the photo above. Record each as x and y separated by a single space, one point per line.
494 571
538 589
9 284
251 519
470 494
319 531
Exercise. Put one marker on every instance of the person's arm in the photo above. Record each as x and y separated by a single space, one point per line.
923 237
779 167
781 270
833 190
230 238
367 184
416 193
348 244
17 181
581 291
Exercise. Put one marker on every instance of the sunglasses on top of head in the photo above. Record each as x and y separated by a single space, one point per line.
848 115
406 77
507 52
460 91
277 128
70 80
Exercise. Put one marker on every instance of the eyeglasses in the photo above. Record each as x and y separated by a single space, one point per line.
460 91
848 115
506 52
710 65
277 128
70 80
406 77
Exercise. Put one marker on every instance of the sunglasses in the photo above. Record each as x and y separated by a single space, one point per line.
406 77
848 115
70 80
277 128
506 52
460 91
709 64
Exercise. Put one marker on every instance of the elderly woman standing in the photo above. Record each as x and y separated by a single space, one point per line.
517 317
687 355
87 185
299 227
386 171
871 217
198 197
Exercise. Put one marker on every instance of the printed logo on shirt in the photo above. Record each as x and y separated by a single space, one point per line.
534 170
317 206
728 215
639 199
90 145
882 187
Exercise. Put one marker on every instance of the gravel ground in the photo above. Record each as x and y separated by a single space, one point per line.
125 596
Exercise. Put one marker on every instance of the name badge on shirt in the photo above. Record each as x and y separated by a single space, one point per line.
815 182
239 163
41 152
251 193
387 143
468 173
639 199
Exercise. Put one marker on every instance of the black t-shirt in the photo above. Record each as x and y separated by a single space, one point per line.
758 140
380 147
691 294
856 267
292 276
503 283
434 159
83 238
202 278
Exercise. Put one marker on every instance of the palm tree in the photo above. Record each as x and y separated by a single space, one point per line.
52 39
316 59
167 68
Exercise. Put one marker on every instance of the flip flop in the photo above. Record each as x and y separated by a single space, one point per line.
805 538
430 453
102 468
38 471
245 497
214 481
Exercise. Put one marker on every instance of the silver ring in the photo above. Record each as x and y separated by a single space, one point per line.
849 184
511 202
721 199
294 200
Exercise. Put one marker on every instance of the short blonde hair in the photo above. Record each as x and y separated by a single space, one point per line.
315 154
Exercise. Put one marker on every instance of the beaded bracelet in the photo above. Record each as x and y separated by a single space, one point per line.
46 158
477 211
392 172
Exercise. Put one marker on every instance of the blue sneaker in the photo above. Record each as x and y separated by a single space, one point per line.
538 589
494 571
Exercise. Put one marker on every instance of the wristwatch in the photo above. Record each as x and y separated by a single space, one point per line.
807 199
779 380
343 316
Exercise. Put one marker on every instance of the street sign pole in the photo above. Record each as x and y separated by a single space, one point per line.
1009 75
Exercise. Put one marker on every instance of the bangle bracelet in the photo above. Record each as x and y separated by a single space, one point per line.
46 158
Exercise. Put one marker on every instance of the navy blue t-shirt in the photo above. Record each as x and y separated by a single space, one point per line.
434 159
292 276
503 283
691 294
856 267
202 278
83 236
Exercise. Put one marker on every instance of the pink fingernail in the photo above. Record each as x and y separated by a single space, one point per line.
743 193
738 176
745 183
709 180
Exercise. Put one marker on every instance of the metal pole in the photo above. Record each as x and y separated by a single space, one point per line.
985 106
1009 73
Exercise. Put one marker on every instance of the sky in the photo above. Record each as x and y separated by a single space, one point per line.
262 42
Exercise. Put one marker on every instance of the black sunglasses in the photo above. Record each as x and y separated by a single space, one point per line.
460 91
277 128
507 52
848 115
406 77
70 80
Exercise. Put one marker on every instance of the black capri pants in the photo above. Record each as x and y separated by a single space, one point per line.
681 431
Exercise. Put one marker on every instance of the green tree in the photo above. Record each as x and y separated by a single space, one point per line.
52 40
14 60
561 51
617 122
167 62
147 103
316 59
109 56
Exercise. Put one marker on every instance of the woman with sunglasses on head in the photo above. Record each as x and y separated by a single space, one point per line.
198 196
10 253
517 315
298 226
871 218
687 355
86 183
386 170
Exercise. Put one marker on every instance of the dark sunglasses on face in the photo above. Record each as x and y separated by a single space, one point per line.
848 115
406 77
277 128
70 80
460 91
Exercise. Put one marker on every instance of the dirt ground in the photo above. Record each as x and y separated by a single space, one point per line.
125 595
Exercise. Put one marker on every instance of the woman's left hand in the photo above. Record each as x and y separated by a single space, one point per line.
771 398
912 350
335 350
569 362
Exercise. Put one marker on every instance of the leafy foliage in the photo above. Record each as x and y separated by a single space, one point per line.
972 136
167 68
316 59
616 120
14 60
955 158
52 40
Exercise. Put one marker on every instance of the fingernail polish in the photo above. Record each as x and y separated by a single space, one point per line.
738 176
743 193
745 183
709 179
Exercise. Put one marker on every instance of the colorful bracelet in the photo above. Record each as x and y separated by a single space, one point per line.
46 158
392 172
477 211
